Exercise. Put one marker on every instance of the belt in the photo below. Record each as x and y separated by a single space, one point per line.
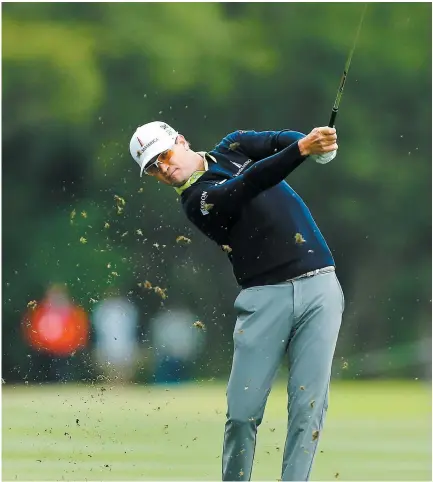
326 269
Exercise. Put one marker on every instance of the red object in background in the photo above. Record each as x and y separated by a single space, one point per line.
56 326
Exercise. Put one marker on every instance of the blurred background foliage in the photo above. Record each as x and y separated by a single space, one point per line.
78 78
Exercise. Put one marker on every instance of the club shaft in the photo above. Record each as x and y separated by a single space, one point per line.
345 72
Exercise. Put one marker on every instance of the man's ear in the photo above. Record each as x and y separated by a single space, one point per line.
181 140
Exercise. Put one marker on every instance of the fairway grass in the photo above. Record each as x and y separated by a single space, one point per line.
373 431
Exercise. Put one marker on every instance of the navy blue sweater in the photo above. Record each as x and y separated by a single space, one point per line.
243 202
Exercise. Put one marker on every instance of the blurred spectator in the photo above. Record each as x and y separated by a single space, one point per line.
177 343
56 328
115 321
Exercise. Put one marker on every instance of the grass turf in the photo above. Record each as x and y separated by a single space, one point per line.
373 431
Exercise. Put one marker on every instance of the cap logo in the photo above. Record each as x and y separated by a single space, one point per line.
144 147
167 129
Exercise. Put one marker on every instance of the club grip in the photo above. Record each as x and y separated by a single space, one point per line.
333 117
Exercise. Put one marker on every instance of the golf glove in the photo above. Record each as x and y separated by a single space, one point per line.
324 158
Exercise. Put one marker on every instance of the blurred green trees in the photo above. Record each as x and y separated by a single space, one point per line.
77 80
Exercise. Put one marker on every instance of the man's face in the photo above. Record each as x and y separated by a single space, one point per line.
175 166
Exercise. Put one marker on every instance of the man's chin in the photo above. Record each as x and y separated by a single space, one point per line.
172 182
177 183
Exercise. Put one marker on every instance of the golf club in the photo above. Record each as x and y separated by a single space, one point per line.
346 70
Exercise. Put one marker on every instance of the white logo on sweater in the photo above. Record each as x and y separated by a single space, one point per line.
242 167
204 207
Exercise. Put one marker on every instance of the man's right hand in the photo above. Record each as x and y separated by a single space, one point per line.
319 141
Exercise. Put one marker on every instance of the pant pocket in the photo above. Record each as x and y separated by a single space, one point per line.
246 301
343 300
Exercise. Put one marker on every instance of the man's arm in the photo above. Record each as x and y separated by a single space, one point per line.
285 137
258 145
229 196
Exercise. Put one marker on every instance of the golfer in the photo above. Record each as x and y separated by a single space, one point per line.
290 303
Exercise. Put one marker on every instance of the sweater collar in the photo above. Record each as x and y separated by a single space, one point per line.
197 174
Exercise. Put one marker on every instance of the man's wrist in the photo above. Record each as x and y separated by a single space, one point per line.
302 147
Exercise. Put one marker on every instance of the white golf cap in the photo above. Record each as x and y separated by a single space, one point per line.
149 140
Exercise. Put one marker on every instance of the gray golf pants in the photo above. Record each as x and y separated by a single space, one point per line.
300 318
